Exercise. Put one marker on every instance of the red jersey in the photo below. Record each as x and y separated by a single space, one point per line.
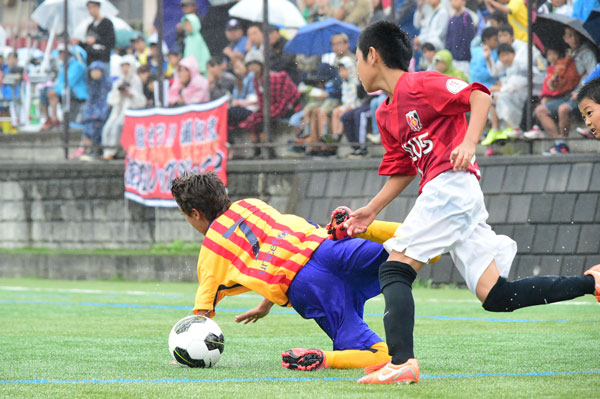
423 123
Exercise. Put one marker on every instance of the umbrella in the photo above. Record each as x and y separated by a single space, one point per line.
315 38
50 10
281 12
550 28
592 25
81 29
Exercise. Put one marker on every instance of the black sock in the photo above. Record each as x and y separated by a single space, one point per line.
396 280
507 296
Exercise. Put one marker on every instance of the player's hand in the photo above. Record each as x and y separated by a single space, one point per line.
335 228
359 220
253 315
462 155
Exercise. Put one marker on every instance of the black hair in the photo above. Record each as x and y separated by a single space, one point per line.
204 192
144 68
488 33
505 48
499 16
590 90
392 43
214 61
506 28
428 47
560 48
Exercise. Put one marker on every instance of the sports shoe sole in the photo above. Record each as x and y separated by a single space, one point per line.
310 360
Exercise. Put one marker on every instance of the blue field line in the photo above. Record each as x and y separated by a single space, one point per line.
241 310
281 379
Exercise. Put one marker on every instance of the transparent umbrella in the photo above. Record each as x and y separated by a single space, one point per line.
281 12
81 29
50 14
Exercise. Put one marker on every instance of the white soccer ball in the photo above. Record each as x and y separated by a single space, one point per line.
196 341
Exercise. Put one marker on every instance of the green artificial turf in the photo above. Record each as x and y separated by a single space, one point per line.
90 339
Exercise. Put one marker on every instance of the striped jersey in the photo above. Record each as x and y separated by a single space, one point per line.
253 247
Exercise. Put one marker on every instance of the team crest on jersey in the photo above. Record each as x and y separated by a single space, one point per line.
455 85
413 121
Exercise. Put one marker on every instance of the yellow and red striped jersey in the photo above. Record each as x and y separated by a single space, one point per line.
253 247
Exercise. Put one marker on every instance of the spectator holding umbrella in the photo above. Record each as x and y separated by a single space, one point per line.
100 36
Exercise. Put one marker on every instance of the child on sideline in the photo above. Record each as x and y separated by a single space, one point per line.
347 72
250 246
94 113
509 96
461 32
424 131
561 75
588 100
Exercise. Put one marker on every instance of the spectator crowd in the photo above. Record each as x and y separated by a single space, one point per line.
320 97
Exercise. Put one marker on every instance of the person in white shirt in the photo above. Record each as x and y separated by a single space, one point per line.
434 25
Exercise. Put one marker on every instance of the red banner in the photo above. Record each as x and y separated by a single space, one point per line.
165 143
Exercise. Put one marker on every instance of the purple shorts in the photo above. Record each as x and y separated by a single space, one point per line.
334 285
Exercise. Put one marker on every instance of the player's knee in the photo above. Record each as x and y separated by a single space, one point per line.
396 272
498 299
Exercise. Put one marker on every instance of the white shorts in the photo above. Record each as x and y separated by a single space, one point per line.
450 216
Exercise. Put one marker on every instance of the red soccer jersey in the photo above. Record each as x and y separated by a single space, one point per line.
423 123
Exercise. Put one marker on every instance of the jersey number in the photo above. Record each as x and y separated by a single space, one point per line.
418 146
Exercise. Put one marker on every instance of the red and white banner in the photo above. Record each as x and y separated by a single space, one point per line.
165 143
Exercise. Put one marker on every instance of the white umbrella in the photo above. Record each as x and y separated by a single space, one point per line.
281 12
81 29
50 10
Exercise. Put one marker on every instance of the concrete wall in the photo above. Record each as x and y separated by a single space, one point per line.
549 205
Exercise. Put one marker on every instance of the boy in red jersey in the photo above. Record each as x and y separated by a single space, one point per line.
424 131
250 246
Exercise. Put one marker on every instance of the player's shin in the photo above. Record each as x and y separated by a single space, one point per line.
396 280
507 296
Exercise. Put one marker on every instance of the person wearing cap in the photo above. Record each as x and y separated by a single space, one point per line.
100 36
126 93
285 99
237 41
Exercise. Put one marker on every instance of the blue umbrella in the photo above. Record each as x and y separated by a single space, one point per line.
592 25
315 38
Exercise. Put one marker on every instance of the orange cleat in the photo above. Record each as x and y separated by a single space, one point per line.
407 373
594 271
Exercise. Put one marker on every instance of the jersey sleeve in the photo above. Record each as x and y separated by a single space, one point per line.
451 94
380 231
211 275
395 160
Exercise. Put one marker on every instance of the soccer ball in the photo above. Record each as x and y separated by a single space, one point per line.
196 341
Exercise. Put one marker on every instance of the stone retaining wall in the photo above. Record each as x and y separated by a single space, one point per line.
549 205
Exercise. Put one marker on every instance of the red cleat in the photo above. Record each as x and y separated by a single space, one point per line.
303 359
